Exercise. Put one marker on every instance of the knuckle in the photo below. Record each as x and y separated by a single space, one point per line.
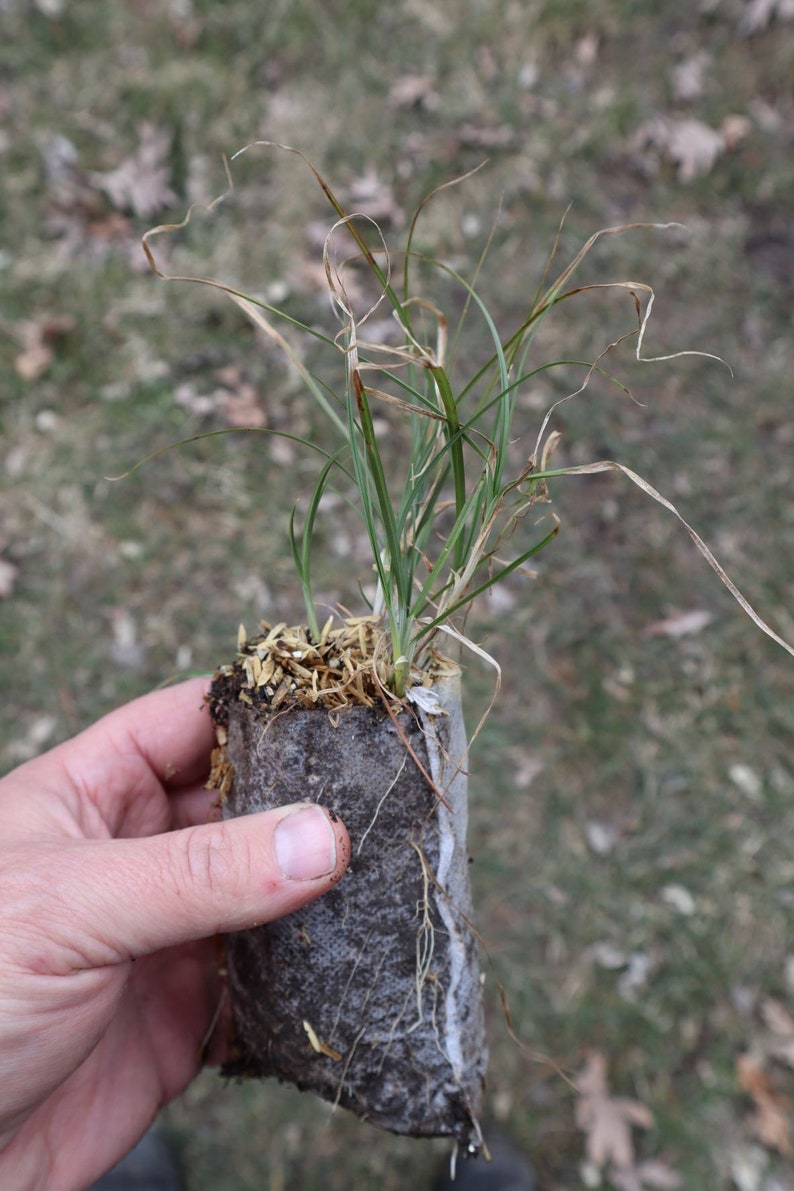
213 863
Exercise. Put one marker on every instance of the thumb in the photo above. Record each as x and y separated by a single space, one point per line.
130 897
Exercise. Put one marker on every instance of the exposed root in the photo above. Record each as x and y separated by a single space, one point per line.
425 936
346 989
206 1041
388 791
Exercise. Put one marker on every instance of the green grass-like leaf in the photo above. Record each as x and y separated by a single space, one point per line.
437 528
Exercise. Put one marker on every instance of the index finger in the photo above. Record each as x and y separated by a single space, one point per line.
128 762
123 767
169 728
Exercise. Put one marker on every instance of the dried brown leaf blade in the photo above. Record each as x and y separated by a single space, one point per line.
606 465
447 599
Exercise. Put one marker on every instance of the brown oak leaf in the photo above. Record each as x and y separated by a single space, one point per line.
142 182
770 1121
607 1120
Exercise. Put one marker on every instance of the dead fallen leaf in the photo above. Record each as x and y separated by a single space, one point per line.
780 1022
141 183
687 77
602 837
607 1120
371 196
778 1017
236 400
769 1124
692 146
37 339
413 90
747 780
678 898
201 405
53 327
735 129
679 624
760 13
651 1175
528 766
125 648
243 408
33 361
484 136
65 182
9 572
585 50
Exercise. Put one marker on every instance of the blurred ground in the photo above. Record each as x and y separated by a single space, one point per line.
633 799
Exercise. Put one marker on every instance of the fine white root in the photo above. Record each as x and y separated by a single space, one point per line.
425 935
374 820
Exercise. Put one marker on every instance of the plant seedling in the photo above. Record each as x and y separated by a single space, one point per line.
372 996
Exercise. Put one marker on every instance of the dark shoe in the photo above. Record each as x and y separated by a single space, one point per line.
508 1169
150 1166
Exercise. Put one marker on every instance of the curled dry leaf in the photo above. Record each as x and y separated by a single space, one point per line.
607 1120
769 1123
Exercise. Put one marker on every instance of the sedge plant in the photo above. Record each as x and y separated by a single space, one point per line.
457 518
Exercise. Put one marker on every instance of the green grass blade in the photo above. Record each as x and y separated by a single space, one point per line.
506 570
302 550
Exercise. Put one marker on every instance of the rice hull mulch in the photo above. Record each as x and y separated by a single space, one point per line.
371 996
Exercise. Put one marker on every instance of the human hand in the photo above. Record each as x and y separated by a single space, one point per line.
112 884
